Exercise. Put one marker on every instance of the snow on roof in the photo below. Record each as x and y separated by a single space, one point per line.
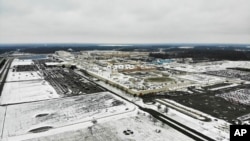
21 62
52 63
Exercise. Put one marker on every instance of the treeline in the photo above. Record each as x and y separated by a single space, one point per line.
44 50
4 50
240 69
204 54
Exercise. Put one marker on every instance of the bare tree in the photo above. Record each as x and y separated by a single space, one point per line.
94 121
138 112
162 124
154 120
159 107
90 130
166 109
150 117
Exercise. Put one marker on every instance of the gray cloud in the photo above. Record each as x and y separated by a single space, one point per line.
125 21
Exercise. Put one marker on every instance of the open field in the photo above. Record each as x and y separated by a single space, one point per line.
216 129
41 116
23 76
25 84
2 116
26 91
135 128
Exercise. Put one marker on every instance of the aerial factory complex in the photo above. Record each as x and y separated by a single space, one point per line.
116 95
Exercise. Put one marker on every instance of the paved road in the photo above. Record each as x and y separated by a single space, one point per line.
5 73
176 125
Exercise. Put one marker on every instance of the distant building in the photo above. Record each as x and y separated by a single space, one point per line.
64 54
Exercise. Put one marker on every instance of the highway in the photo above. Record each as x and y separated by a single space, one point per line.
4 73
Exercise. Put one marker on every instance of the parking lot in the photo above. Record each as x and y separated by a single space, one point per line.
229 73
66 82
241 96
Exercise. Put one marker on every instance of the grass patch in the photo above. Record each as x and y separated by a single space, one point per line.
158 79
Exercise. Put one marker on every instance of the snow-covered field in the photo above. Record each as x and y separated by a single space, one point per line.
31 117
71 119
2 114
25 86
23 76
217 129
135 128
202 79
26 91
13 75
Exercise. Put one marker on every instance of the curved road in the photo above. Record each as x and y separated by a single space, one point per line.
176 125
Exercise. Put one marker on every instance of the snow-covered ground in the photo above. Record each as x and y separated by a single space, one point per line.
208 66
25 86
138 127
23 76
72 118
2 114
21 62
13 75
217 129
241 96
24 118
202 78
26 91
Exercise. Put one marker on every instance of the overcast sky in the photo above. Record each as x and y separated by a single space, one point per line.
124 21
